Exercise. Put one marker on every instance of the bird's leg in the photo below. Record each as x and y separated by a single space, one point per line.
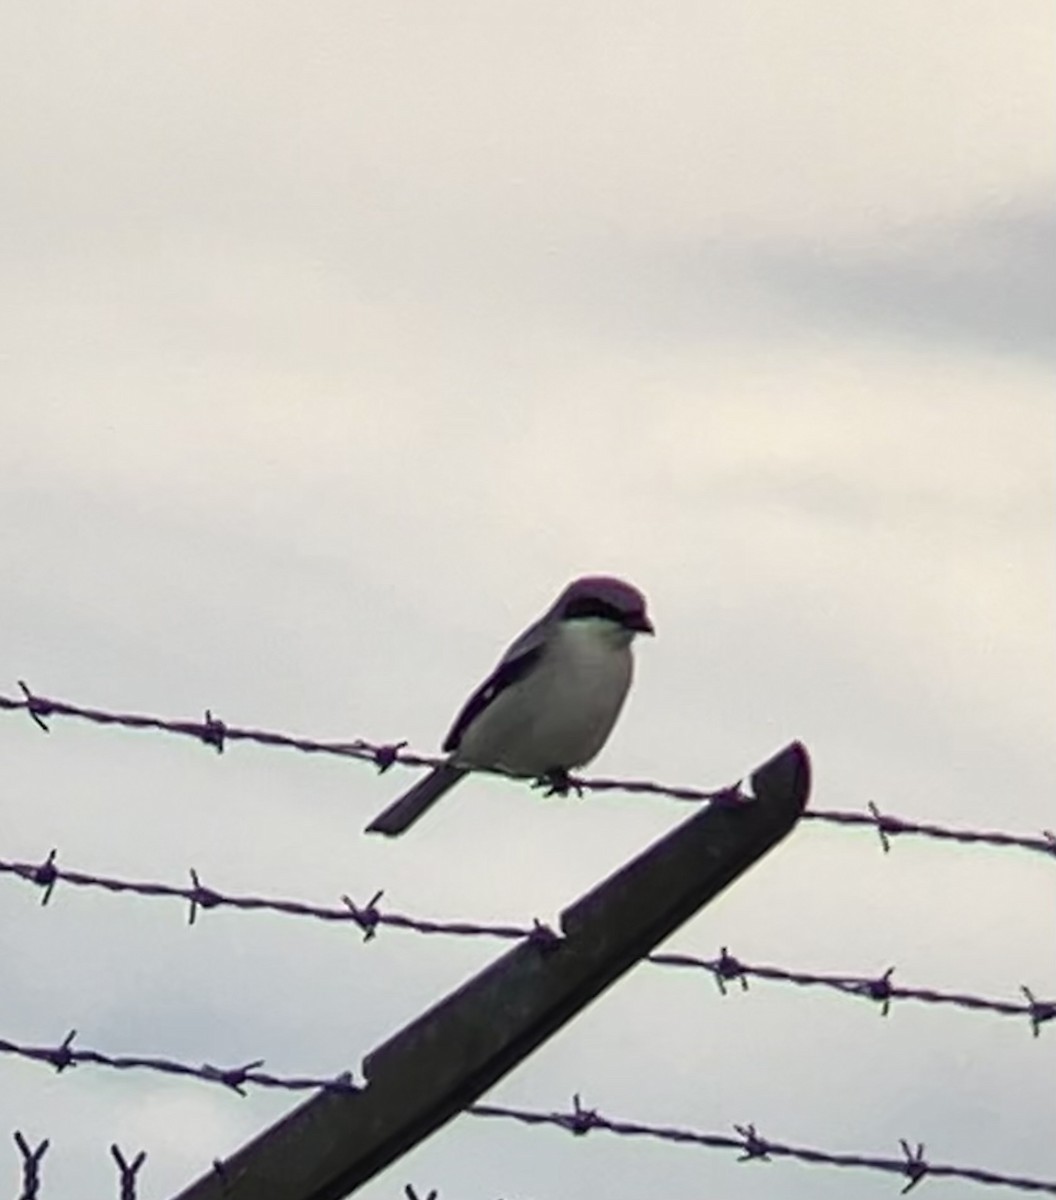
557 782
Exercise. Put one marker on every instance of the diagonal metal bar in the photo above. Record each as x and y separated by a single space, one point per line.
440 1063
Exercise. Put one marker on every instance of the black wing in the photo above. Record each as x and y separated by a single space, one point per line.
506 673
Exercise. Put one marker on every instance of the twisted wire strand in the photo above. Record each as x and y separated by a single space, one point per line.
213 732
913 1166
751 1145
369 918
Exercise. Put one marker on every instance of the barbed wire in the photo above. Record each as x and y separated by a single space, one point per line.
878 988
751 1145
32 1157
66 1055
213 732
745 1140
725 968
369 918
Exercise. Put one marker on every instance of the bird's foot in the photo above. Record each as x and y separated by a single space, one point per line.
557 782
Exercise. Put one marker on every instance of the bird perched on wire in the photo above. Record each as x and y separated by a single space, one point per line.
551 702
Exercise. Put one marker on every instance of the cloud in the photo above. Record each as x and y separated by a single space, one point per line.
983 283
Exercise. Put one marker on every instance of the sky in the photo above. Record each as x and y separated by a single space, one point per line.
336 340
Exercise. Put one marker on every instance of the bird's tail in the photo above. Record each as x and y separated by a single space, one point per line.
402 813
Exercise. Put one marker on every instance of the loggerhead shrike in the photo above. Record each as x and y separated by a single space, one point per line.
551 702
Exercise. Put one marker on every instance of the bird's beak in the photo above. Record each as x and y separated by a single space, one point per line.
640 623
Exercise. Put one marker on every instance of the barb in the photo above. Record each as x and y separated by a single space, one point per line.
30 1165
66 1055
369 918
912 1166
213 732
127 1171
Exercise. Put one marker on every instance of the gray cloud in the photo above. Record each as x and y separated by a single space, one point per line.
985 282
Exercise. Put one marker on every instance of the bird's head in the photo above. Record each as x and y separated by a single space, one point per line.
604 598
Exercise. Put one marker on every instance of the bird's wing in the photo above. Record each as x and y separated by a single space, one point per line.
514 665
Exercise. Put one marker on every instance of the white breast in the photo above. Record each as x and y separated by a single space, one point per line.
561 713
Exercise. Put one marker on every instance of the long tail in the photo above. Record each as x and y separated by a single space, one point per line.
403 813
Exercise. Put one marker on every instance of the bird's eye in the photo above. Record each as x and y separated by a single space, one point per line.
593 606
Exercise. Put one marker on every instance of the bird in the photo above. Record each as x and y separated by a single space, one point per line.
551 701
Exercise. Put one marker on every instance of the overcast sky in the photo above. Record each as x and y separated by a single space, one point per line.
335 339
